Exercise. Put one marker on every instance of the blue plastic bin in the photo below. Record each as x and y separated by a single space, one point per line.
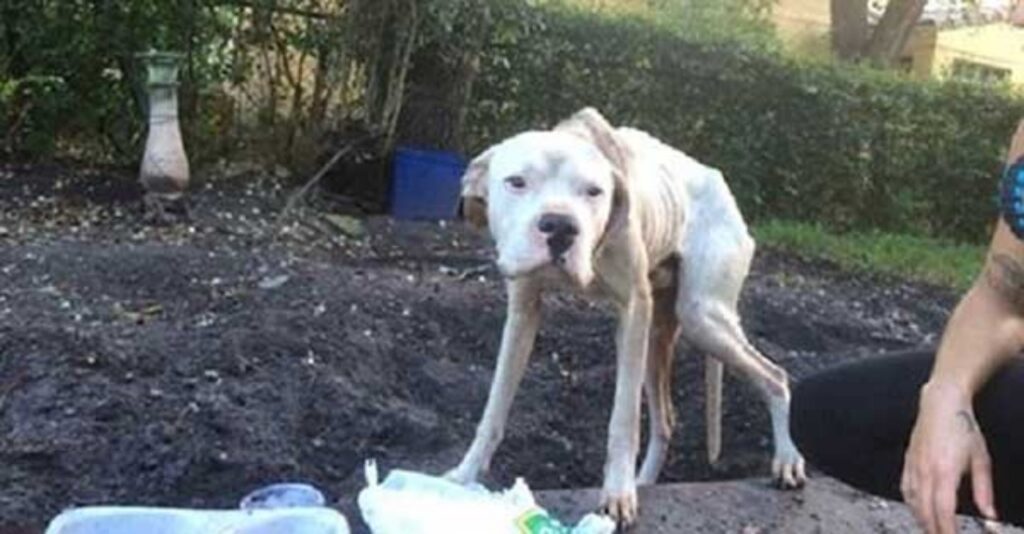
425 184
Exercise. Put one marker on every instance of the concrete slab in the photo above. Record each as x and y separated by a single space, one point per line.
825 506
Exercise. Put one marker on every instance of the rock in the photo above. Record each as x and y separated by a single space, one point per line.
349 226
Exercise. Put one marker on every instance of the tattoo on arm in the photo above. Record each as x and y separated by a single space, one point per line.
969 425
1006 275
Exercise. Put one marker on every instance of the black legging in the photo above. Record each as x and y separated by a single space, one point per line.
854 421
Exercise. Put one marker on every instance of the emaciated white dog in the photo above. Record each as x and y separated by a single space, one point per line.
613 212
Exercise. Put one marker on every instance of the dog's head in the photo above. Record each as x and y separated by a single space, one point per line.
551 198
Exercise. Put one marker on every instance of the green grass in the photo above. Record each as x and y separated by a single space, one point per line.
915 258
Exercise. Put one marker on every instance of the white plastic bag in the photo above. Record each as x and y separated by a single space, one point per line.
414 503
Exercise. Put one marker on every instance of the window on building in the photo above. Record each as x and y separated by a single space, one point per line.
978 72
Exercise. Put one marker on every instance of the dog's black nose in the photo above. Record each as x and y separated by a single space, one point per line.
560 229
556 224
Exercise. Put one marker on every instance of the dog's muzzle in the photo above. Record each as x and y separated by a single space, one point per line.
561 231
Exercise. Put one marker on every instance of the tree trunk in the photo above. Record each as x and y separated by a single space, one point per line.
437 98
441 86
893 30
849 28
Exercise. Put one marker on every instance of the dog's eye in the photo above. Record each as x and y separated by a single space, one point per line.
594 191
515 182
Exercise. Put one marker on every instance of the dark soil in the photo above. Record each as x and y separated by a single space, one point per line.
187 365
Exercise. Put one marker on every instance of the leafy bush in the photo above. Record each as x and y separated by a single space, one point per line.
274 81
850 148
97 113
29 107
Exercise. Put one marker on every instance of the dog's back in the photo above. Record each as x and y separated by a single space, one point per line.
685 202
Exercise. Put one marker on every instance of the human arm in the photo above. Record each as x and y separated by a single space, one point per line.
985 330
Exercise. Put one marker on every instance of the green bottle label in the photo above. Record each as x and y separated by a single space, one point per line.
536 521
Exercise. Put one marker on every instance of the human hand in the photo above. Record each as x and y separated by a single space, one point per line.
946 443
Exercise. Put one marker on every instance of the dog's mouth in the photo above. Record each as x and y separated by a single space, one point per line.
554 270
559 246
554 267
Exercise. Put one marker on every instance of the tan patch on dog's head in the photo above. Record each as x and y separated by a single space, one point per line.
592 126
474 190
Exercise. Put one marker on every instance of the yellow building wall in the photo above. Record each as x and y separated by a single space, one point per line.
996 45
798 21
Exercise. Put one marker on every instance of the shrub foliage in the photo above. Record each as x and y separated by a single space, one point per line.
847 147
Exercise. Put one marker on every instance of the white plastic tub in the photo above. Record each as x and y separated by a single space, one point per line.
144 520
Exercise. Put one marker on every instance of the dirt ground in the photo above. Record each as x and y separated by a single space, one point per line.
750 506
187 365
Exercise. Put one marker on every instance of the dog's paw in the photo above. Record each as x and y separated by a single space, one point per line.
788 470
620 505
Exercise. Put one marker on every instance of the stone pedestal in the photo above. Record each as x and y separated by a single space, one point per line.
164 173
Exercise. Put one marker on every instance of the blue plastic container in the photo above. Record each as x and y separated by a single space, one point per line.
425 184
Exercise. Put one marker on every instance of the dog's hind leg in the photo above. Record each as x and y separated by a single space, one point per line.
517 339
658 383
709 291
718 333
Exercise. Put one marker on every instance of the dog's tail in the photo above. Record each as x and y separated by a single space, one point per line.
713 407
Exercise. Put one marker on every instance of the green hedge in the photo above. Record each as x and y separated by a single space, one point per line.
847 147
850 148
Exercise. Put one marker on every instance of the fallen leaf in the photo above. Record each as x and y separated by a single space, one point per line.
274 282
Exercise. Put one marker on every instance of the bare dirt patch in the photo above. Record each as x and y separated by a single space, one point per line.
187 365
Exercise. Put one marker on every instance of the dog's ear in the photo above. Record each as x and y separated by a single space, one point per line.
603 135
474 190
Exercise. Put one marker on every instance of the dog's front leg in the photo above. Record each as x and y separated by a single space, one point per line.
516 345
619 495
